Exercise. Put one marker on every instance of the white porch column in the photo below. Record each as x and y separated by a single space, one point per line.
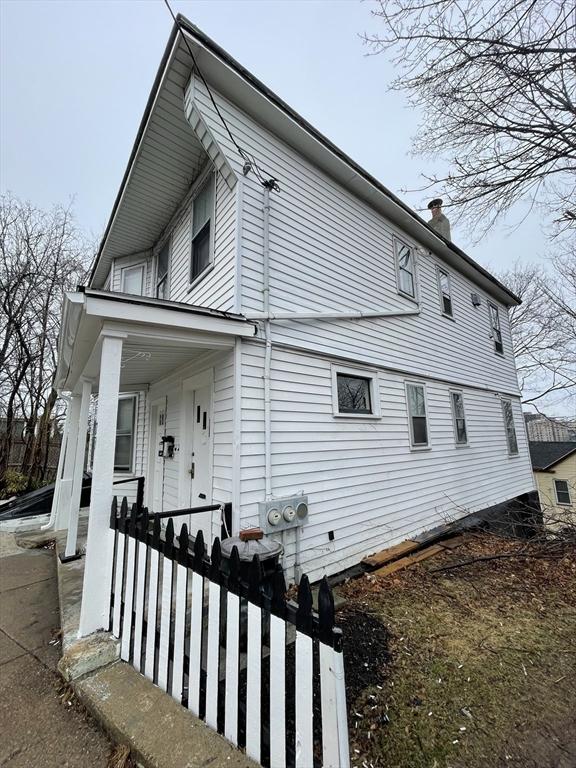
94 613
79 453
63 491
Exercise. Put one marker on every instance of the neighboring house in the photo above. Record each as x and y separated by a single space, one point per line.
554 465
319 349
550 429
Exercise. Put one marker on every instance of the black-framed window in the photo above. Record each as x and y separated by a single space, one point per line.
495 326
510 427
162 263
353 394
562 491
202 214
416 397
445 292
406 269
459 418
125 428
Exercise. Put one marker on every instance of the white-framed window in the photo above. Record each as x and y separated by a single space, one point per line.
509 426
445 291
417 414
562 490
162 264
202 229
496 331
405 269
355 393
125 432
132 280
458 417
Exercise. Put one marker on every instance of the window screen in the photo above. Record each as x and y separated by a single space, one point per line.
445 294
162 272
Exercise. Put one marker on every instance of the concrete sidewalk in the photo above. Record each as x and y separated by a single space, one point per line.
38 726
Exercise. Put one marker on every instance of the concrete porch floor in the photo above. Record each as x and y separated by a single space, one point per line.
159 731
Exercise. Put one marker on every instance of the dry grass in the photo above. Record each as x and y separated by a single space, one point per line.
482 666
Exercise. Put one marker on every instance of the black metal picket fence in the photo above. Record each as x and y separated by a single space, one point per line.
264 671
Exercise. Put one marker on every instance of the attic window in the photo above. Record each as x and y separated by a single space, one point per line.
202 229
445 292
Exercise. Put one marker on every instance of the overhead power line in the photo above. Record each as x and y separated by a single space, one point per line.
250 162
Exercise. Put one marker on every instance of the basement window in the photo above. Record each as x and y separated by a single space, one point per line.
417 415
510 428
445 292
355 393
406 269
125 427
562 491
496 333
202 229
459 418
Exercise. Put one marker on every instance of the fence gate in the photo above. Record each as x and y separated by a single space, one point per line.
265 672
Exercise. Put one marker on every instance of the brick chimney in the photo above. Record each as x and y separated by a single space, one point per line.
439 222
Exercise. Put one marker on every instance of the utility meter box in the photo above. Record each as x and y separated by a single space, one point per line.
281 514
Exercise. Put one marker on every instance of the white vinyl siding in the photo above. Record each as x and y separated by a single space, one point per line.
363 480
330 251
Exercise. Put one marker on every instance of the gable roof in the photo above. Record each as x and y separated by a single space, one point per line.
545 454
240 86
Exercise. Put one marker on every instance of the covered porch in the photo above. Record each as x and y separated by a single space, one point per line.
113 345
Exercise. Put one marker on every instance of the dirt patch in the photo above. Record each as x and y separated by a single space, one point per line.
477 664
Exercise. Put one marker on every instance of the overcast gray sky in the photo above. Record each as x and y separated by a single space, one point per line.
75 76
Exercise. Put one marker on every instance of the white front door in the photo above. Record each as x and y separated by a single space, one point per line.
198 458
157 461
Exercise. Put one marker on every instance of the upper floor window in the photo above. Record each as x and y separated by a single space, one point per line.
406 269
445 292
417 414
162 262
509 426
125 421
459 418
562 491
132 280
495 325
202 226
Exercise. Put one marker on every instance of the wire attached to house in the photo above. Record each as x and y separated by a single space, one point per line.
250 162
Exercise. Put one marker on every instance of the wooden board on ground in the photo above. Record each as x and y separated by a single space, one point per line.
456 541
392 553
406 562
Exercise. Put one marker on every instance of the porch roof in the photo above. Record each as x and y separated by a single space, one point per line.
159 336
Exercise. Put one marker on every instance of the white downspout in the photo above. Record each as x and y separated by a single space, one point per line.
268 348
63 448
